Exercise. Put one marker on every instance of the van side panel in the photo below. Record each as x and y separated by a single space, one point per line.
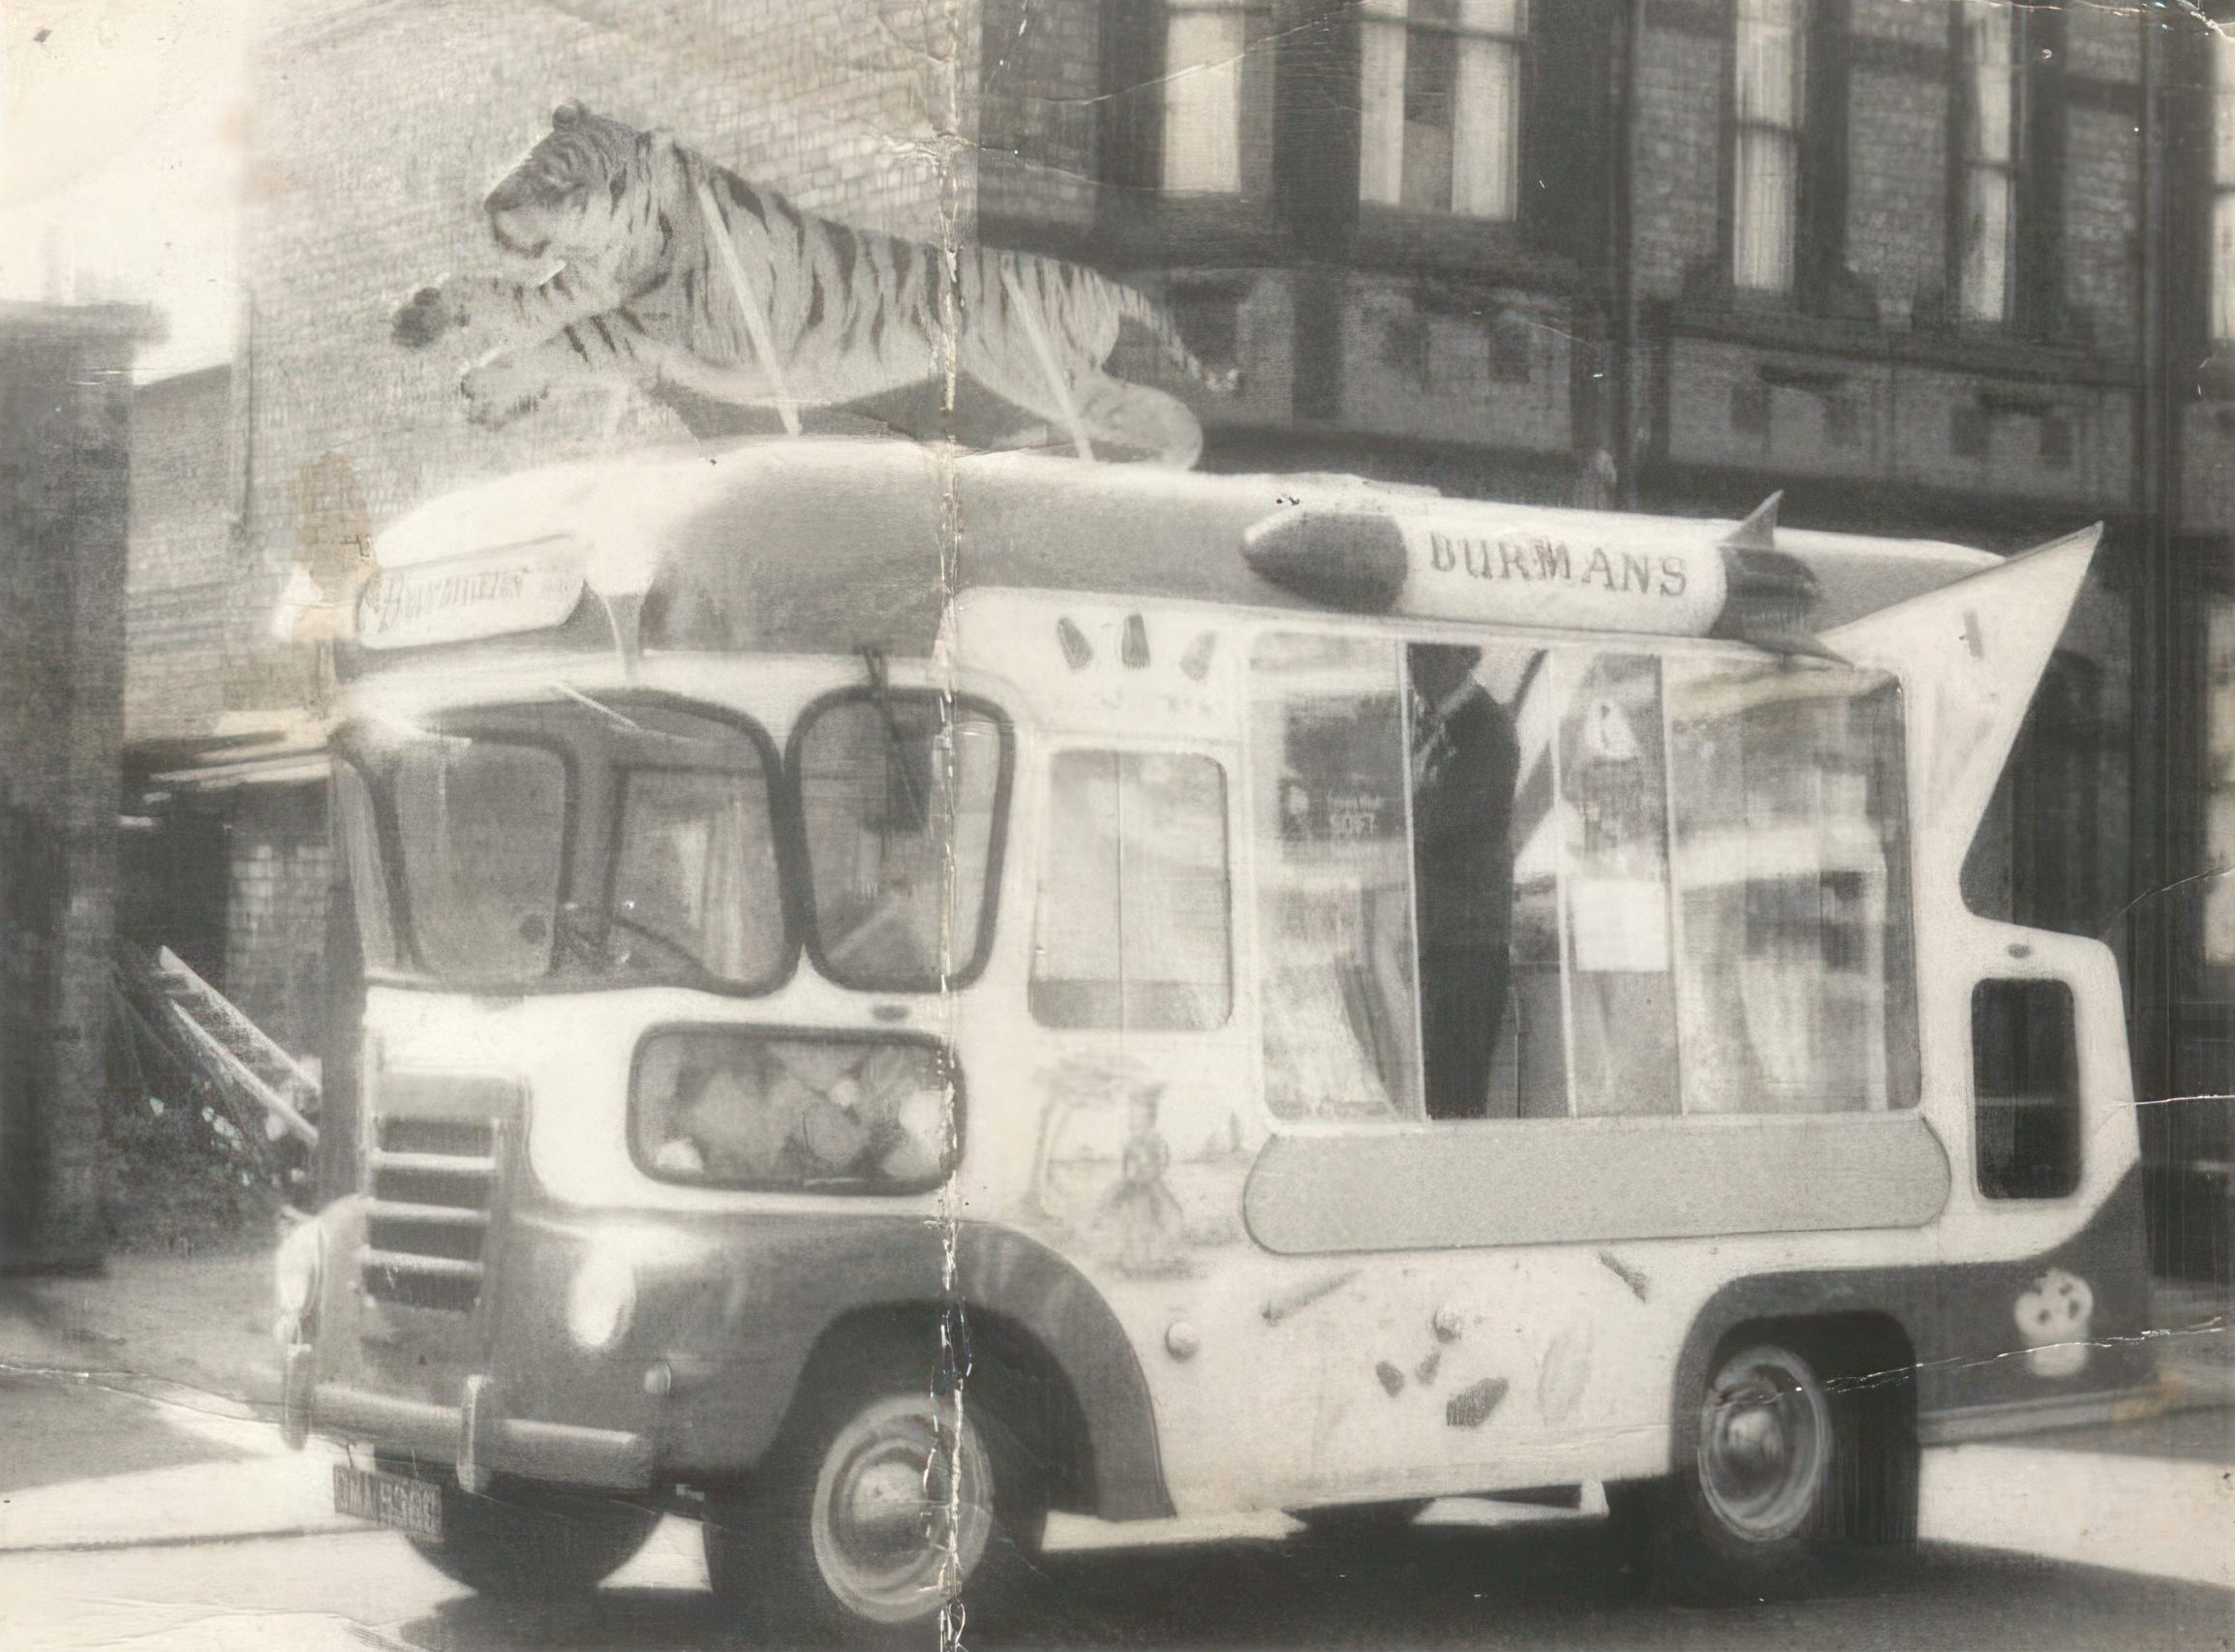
738 1311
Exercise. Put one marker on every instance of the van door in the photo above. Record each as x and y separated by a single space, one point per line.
1139 1061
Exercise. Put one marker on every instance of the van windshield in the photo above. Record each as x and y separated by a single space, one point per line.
482 824
901 802
574 843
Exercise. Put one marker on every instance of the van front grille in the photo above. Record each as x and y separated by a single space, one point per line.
433 1183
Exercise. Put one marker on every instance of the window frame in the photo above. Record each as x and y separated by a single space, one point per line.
1394 19
570 845
1662 650
380 833
782 1033
1969 165
1804 15
2074 1107
526 722
1232 832
1135 72
2218 171
968 970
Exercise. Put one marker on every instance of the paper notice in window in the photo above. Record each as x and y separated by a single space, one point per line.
1618 925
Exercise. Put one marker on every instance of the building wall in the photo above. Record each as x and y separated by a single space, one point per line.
281 869
1676 191
382 123
64 453
1040 110
182 561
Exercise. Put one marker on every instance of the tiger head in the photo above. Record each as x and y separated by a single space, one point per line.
577 197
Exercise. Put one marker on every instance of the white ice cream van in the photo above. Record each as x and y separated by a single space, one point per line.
906 991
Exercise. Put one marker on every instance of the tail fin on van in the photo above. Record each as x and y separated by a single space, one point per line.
1970 655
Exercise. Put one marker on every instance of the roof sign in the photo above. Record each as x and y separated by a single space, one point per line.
527 587
1497 564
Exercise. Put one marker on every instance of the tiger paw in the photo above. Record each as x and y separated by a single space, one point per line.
496 395
430 314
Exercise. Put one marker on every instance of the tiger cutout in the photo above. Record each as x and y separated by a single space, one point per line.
772 306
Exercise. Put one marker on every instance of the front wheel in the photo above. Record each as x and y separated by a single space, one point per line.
871 1524
515 1543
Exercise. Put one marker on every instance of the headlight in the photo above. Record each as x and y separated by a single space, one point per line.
600 1299
297 1272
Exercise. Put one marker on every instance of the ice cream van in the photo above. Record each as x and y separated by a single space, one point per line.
906 991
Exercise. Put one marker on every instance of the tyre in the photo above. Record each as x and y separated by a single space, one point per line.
1750 1514
514 1543
875 1516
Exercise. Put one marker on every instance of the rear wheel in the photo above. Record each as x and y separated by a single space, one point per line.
1748 1514
881 1514
514 1543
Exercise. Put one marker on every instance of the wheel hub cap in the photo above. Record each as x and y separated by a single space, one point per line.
902 1511
1764 1444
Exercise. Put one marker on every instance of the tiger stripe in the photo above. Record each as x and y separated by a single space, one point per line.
645 286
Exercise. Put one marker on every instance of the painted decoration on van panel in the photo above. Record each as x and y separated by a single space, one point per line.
1144 1173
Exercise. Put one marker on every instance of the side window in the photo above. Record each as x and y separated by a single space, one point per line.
2025 1089
1793 876
1614 789
1132 930
1520 883
1329 812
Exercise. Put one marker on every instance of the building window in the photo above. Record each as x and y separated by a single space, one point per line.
1769 107
1993 106
1205 45
1440 105
2222 187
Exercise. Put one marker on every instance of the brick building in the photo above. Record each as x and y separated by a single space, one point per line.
65 450
1937 268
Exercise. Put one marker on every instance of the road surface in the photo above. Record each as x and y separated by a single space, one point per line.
2119 1537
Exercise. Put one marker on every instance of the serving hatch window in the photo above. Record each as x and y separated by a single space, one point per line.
1512 884
900 796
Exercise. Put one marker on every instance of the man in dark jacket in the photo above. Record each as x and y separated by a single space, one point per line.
1464 763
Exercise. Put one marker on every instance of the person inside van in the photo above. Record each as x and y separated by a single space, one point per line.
1465 761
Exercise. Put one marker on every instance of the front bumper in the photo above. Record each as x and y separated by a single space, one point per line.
475 1434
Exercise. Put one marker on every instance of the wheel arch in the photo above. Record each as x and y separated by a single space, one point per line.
1048 1354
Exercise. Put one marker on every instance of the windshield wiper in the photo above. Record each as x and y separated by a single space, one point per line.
897 742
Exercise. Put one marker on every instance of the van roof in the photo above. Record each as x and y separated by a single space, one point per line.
817 544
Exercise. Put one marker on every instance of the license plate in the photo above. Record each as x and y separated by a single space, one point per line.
411 1506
